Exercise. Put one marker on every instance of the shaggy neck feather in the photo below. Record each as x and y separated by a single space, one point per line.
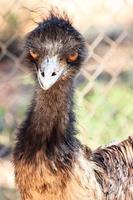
52 109
50 122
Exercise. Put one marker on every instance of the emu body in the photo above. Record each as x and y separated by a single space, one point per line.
50 162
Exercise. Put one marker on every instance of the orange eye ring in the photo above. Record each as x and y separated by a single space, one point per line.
33 54
73 57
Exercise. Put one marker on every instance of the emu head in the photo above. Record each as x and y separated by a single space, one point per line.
55 50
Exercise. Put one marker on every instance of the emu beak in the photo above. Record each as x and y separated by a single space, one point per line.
49 73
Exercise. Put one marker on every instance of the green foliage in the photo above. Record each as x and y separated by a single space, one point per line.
12 20
105 117
12 26
2 111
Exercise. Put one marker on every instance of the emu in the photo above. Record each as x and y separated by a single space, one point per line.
50 162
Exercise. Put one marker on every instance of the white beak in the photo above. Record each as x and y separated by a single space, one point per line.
49 73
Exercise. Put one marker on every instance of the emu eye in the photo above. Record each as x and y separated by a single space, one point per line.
33 54
72 57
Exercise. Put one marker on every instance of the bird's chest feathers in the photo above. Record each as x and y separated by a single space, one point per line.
39 180
43 183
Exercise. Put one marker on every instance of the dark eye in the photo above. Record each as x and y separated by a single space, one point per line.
72 57
34 54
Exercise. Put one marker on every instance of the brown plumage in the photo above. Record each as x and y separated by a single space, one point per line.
116 161
50 163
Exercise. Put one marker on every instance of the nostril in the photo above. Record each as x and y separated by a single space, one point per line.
54 73
42 73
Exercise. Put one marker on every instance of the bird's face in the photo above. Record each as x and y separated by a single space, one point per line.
55 50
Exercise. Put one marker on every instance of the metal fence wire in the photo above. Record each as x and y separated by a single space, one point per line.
104 86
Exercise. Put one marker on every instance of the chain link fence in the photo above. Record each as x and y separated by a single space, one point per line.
104 92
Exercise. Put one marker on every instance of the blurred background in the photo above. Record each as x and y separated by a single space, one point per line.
104 88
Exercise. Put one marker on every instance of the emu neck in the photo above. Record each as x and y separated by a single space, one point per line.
51 120
52 109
